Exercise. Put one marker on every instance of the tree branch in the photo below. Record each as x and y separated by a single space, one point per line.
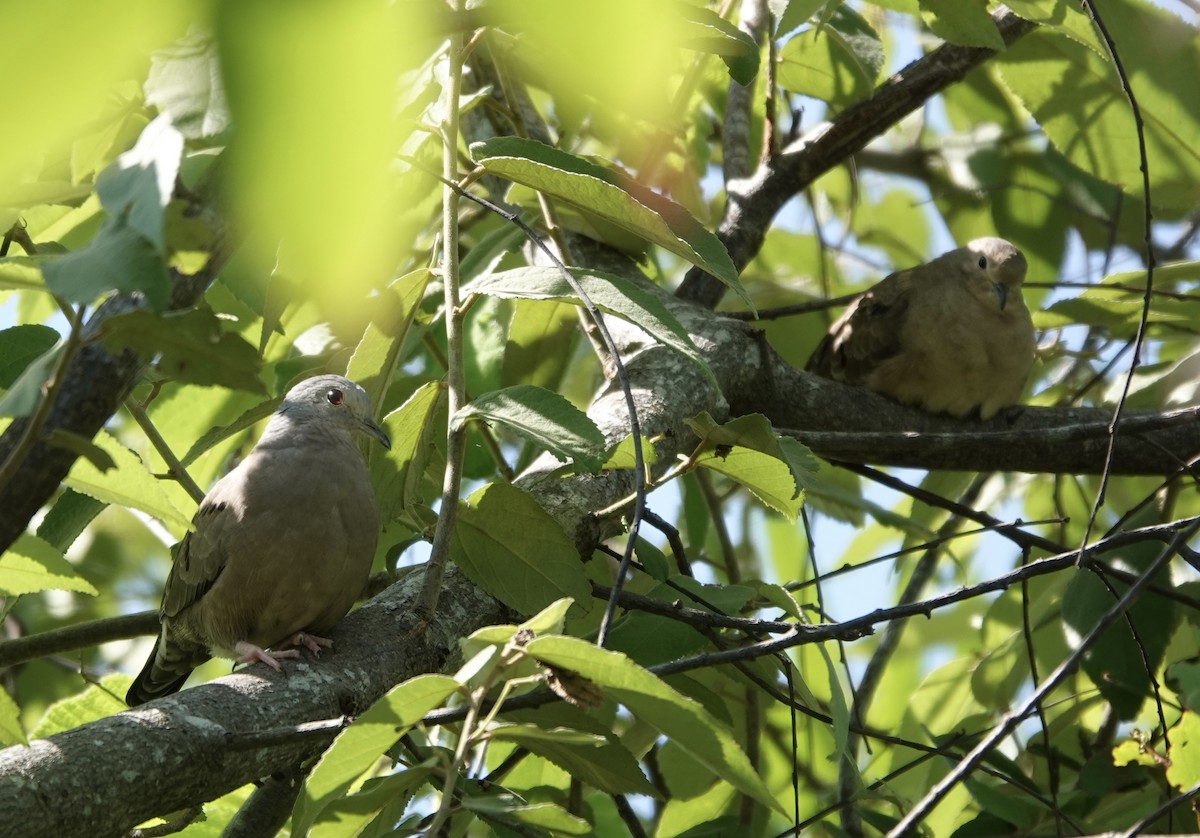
103 778
751 204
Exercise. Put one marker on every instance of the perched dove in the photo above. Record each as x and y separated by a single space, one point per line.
952 335
282 544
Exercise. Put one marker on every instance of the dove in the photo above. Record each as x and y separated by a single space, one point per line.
281 547
951 336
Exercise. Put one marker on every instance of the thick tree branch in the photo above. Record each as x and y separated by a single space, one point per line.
94 385
103 778
752 204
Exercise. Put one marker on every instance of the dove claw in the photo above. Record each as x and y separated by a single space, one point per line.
249 653
311 642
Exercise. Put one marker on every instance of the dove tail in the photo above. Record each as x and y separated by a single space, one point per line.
164 673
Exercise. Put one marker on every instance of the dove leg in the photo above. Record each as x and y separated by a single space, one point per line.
311 642
249 653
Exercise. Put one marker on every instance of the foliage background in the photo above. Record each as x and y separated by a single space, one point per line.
258 184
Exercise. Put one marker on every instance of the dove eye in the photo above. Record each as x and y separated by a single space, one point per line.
983 261
335 397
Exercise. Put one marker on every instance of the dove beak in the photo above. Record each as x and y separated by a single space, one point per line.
374 430
1001 294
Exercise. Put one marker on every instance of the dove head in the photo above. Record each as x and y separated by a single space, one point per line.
996 267
328 403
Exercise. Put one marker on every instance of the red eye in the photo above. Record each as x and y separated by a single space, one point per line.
335 397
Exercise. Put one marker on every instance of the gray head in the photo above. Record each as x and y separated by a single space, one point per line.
997 266
332 403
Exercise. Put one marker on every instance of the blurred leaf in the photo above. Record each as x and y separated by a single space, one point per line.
81 446
31 565
611 195
514 550
118 259
21 273
23 396
542 417
96 702
11 731
19 347
706 31
1183 769
138 186
680 718
185 84
357 748
609 293
837 63
191 346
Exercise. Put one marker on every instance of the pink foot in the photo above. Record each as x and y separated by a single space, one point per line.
311 642
249 653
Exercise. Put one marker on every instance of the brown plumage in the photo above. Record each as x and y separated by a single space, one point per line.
282 544
952 335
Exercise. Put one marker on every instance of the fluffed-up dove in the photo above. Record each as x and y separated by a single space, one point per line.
952 335
282 544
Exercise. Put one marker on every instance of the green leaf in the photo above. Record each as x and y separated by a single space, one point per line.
791 14
706 31
95 702
838 63
20 346
775 468
538 347
21 273
1033 67
608 765
608 292
378 351
82 447
31 565
23 396
185 83
611 195
11 731
130 484
213 436
191 346
649 699
545 419
514 550
118 259
552 817
1183 770
138 186
396 473
965 22
357 748
67 518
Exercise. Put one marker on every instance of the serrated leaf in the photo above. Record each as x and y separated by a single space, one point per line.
191 346
32 565
82 447
706 31
837 63
129 484
138 185
95 702
11 731
396 473
514 550
652 701
775 468
20 346
1183 771
117 259
358 747
608 292
378 351
611 195
965 22
544 418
